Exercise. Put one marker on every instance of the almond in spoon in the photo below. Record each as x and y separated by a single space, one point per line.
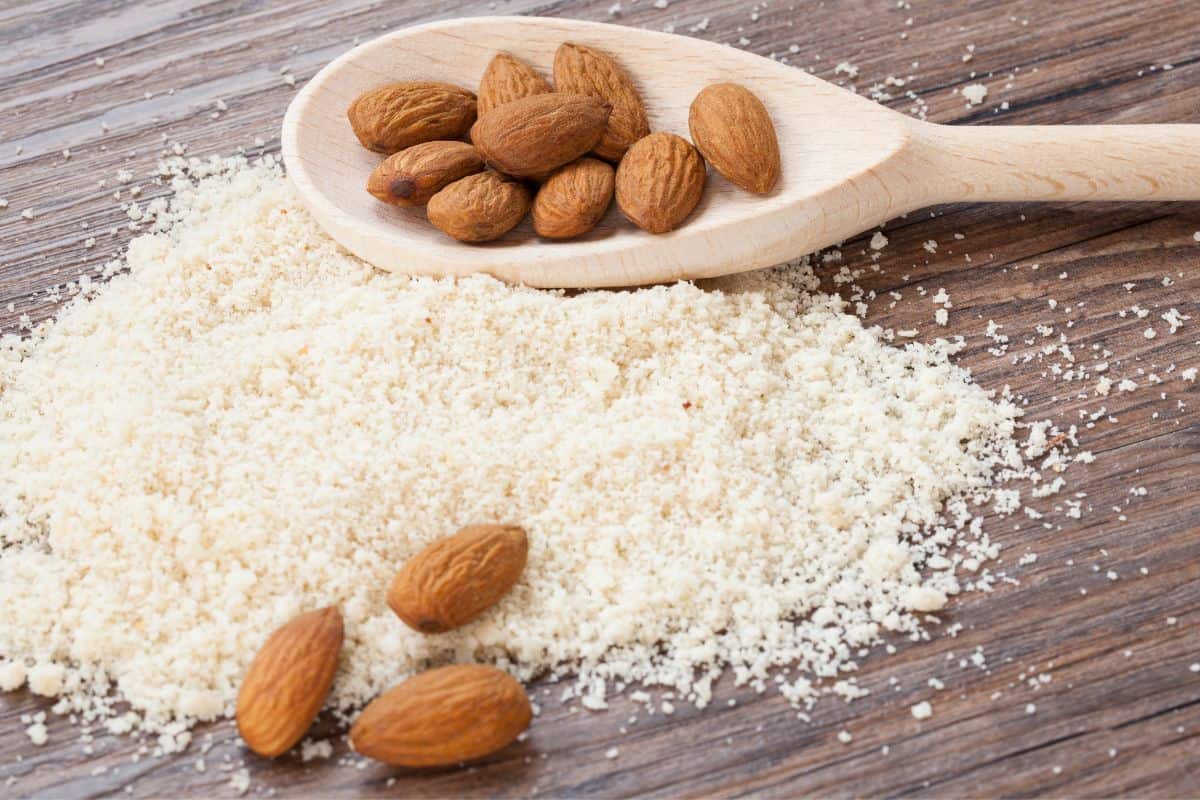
573 199
417 173
733 132
479 207
659 182
288 681
506 79
399 115
534 135
585 70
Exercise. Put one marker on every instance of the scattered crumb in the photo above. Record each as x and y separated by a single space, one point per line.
975 93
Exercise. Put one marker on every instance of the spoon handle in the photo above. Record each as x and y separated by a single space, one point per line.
1060 162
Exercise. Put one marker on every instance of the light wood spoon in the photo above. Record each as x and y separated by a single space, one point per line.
849 164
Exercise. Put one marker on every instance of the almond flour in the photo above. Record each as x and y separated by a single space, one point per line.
246 422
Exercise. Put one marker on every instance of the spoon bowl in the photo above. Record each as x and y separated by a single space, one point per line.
848 163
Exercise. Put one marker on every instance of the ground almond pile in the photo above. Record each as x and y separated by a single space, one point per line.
250 423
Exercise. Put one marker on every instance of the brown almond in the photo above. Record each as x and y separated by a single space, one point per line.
455 579
733 131
288 681
535 135
417 173
479 207
573 199
443 717
583 70
659 182
390 118
508 78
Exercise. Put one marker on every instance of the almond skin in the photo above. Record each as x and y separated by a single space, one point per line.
659 182
732 130
412 176
399 115
455 579
508 78
535 135
583 70
443 717
479 207
573 199
288 681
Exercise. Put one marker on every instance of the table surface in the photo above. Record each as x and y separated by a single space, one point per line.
1083 637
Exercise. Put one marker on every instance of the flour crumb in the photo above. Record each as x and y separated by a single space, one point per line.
847 69
37 734
311 750
975 93
239 782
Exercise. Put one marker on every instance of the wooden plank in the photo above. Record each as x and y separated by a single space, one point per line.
1121 711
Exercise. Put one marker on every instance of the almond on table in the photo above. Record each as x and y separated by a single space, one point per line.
288 681
390 118
455 579
443 717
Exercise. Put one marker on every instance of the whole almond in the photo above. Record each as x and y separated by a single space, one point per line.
583 70
288 681
399 115
534 135
455 579
659 182
443 717
732 130
417 173
508 78
573 199
479 207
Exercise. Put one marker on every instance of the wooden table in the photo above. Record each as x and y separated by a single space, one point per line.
1083 686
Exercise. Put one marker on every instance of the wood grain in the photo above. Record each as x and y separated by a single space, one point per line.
1120 714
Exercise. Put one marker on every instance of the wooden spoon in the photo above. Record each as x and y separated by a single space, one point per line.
849 164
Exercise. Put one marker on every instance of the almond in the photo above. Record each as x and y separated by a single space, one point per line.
534 135
506 79
733 132
659 182
479 207
455 579
442 717
573 199
399 115
582 70
288 681
417 173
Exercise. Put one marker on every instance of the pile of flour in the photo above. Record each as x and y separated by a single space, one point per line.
246 422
